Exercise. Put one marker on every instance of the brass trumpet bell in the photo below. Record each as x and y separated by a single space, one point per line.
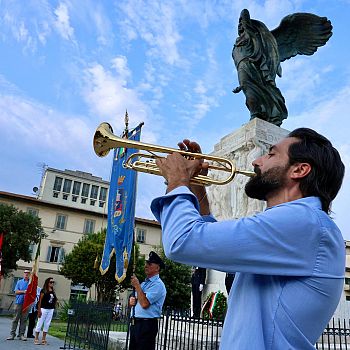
105 140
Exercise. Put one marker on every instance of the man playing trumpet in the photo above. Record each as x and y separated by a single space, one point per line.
289 260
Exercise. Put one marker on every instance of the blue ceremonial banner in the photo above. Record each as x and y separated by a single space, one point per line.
121 211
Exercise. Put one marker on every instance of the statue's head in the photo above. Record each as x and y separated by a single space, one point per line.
244 19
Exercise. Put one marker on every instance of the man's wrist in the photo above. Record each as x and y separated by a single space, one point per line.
172 184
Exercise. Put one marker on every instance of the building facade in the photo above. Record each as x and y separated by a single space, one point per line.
69 204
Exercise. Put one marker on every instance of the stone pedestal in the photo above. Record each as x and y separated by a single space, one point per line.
230 201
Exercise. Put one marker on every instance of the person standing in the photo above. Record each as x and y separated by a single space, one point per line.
21 317
229 277
33 314
199 275
148 303
289 260
46 306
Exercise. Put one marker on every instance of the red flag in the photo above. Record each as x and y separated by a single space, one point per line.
29 297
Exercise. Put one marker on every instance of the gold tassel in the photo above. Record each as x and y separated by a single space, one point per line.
96 264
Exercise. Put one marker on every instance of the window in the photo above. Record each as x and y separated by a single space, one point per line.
32 250
61 221
67 185
58 183
103 194
74 198
94 192
55 254
83 200
89 226
347 280
76 187
65 196
55 195
140 235
92 202
85 191
102 204
33 212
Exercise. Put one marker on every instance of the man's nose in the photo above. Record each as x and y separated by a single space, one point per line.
257 162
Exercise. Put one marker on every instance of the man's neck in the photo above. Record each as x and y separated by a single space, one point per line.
152 275
284 196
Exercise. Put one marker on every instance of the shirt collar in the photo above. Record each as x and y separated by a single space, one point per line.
311 201
153 278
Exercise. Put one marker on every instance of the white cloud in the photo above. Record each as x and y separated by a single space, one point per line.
154 22
108 96
33 127
62 22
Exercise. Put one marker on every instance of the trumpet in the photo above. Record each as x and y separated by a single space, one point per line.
105 140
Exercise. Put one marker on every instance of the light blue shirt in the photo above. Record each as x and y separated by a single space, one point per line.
155 291
289 262
21 284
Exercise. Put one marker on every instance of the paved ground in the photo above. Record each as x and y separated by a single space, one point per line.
5 325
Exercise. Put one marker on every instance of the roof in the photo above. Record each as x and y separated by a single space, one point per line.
35 201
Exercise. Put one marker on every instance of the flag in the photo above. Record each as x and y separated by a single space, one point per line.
29 297
121 211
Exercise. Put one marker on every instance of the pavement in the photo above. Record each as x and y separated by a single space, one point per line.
17 344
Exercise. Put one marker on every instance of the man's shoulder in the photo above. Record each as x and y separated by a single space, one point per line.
20 282
161 283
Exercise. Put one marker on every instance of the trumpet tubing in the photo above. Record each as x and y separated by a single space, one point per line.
104 140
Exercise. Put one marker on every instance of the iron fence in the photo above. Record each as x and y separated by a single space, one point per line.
88 326
335 336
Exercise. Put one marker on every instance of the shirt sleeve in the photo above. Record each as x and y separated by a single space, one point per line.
283 240
155 293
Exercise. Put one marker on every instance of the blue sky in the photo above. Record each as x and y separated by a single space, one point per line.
66 66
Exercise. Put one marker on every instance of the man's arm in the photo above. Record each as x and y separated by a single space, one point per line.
141 296
19 291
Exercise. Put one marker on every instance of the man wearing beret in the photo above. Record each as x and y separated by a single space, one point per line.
147 303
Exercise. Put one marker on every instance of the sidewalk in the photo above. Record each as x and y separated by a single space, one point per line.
16 344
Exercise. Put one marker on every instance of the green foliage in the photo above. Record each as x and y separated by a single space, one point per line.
220 307
80 266
177 280
62 311
20 231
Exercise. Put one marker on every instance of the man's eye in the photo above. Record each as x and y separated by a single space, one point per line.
270 154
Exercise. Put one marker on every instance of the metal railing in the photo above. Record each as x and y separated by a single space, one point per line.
88 326
335 336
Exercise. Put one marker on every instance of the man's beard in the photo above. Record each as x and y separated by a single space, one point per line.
263 184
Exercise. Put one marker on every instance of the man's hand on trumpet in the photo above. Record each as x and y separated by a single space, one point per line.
178 170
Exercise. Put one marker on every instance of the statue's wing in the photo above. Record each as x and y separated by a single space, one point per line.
301 33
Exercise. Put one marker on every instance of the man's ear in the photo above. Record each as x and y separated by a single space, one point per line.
300 170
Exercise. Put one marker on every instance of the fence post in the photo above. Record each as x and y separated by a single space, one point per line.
167 315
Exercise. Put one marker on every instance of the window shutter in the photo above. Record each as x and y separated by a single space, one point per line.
49 254
61 255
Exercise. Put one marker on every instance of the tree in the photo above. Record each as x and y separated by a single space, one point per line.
80 266
20 231
177 280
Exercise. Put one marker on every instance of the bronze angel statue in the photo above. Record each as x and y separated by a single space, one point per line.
258 53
